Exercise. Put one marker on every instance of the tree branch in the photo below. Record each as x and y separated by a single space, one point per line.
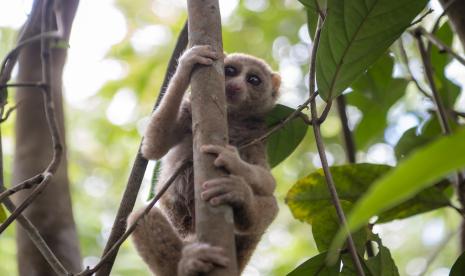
439 44
322 154
213 225
348 138
405 60
38 241
281 124
115 246
137 172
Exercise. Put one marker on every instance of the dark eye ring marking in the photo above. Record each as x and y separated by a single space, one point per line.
230 71
254 80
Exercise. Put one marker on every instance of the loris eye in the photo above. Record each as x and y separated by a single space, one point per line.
254 80
230 71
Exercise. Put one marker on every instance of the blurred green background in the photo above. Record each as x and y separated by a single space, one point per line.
117 58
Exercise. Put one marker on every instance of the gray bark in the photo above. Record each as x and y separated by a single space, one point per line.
214 225
51 212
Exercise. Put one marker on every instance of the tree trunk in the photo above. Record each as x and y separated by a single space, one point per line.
51 212
214 225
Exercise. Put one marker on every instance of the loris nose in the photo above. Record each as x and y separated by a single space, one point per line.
231 87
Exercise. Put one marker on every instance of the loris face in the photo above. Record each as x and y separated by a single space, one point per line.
251 86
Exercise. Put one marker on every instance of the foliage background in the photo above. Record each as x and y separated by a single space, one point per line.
117 57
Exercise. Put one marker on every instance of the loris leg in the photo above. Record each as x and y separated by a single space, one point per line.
157 242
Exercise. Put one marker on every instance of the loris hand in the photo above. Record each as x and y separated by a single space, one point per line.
231 190
200 54
200 258
227 157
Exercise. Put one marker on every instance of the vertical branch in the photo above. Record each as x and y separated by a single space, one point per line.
214 225
322 154
443 120
347 133
138 169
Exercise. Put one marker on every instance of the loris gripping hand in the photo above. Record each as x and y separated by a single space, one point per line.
243 189
232 189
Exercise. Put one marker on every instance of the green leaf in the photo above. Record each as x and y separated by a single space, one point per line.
459 266
154 180
284 141
355 34
422 169
348 268
382 264
309 198
373 94
431 198
316 266
3 215
326 224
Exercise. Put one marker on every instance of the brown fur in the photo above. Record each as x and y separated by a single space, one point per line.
162 234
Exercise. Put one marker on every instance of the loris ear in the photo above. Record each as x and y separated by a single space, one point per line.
276 83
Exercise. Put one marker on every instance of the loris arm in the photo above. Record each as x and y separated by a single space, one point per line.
168 124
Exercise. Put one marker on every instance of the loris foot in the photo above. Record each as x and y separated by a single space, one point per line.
200 258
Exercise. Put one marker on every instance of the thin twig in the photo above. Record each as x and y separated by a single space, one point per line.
23 84
132 227
8 113
325 112
38 241
319 9
440 109
405 60
421 17
438 20
138 169
322 154
281 124
27 184
349 142
458 113
459 210
439 44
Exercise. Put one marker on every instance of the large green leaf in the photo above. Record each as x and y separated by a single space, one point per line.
284 141
374 93
355 34
309 197
316 266
458 268
422 169
326 224
380 265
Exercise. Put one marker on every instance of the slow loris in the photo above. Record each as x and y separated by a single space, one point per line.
165 238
